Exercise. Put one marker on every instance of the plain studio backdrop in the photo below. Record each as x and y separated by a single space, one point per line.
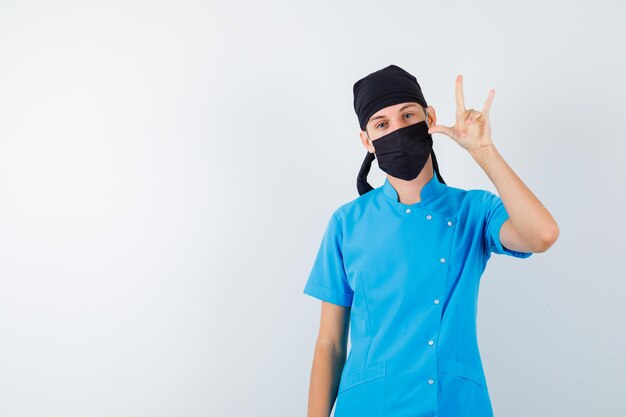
167 170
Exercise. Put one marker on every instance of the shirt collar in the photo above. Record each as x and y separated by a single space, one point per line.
431 189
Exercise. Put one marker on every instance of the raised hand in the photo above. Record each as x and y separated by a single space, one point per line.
472 129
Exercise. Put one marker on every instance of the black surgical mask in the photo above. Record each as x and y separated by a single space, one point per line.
404 152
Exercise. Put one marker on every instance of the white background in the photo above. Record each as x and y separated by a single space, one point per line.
167 170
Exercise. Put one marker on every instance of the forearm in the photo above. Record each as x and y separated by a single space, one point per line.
531 219
328 364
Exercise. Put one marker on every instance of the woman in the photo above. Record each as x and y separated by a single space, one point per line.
399 267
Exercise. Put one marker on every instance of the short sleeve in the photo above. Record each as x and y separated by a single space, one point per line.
495 216
327 279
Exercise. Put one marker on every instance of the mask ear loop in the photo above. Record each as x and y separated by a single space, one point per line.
436 166
432 153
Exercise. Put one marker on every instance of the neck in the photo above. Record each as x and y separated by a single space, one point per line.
409 191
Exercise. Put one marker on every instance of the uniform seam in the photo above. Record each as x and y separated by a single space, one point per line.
448 275
367 323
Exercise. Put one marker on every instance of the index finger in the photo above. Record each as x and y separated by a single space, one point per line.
460 102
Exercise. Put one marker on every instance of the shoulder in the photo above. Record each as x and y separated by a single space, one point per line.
461 199
472 193
474 196
463 203
483 198
349 212
356 204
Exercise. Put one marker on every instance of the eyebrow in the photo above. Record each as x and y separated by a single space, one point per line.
403 107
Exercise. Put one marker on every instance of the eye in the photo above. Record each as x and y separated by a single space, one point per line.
408 113
379 124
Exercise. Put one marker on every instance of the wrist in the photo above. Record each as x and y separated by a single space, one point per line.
482 152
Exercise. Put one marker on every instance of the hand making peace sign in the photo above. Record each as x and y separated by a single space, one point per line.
472 130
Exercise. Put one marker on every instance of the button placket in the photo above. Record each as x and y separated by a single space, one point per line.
441 290
442 260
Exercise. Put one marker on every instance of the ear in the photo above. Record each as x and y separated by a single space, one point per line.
432 116
366 142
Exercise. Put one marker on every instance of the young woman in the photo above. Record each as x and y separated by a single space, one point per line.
399 267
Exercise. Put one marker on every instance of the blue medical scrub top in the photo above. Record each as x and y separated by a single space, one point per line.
411 273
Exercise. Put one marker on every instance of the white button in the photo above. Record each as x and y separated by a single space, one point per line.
429 217
430 381
408 210
442 260
430 342
436 301
449 223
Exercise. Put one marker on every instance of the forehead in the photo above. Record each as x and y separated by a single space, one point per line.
396 108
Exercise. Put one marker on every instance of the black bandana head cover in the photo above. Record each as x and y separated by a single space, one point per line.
383 88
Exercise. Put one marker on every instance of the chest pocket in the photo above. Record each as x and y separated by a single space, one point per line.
362 393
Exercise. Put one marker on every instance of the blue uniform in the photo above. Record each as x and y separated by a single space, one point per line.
411 273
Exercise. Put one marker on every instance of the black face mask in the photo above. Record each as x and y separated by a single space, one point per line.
404 152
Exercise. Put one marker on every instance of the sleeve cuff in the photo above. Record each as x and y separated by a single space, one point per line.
325 294
496 225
